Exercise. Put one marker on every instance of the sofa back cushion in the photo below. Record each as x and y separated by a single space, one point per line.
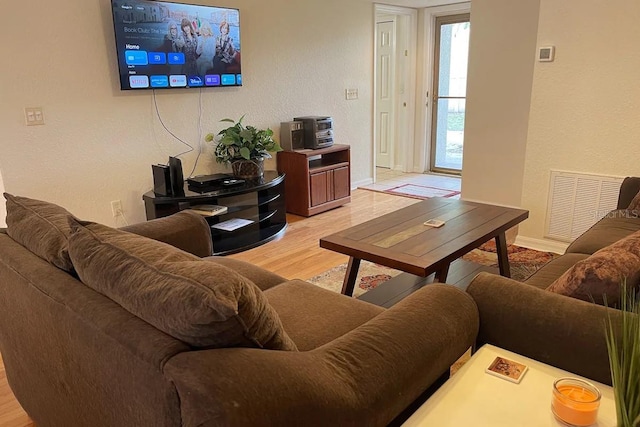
201 303
615 226
41 227
600 275
634 206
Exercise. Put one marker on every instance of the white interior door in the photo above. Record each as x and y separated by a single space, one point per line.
385 77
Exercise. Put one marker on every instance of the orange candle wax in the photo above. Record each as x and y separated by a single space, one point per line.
575 402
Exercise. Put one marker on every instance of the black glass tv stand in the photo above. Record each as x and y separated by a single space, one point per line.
259 201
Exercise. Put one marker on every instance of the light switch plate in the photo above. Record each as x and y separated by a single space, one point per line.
351 94
34 116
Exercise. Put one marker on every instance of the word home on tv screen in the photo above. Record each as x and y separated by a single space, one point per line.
163 45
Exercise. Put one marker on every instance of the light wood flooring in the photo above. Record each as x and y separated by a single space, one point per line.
387 178
296 255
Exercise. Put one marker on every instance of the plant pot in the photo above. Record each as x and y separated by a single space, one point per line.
248 169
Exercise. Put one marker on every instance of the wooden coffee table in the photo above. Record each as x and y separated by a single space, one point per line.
401 241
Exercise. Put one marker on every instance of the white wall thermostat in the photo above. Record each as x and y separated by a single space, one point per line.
546 53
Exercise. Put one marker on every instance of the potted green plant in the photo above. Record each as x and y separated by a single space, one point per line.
623 345
244 147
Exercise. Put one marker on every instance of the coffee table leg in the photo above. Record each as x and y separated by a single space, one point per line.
503 258
350 276
441 275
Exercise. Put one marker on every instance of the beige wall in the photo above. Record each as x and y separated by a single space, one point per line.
3 209
585 105
501 56
525 118
98 142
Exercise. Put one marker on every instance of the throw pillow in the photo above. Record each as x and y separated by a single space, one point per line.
41 227
602 273
201 303
635 203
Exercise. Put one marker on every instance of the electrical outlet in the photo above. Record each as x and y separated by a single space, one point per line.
116 208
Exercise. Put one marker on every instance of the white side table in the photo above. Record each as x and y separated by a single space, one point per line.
474 398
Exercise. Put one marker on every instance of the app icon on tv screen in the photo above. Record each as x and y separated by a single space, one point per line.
174 45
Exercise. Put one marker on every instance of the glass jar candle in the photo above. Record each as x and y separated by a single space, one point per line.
575 402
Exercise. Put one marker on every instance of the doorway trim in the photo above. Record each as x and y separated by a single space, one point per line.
405 102
425 81
437 90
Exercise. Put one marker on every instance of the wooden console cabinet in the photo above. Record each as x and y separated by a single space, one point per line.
317 180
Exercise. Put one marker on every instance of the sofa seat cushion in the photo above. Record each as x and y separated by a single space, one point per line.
598 278
314 316
41 227
200 303
615 226
555 268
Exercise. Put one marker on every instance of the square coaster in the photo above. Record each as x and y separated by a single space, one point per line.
507 369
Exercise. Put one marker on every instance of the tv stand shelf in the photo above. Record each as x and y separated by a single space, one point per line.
317 180
260 201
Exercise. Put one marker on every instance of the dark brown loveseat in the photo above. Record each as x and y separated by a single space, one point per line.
556 329
76 357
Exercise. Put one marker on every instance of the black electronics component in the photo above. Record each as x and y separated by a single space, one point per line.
177 178
161 180
202 181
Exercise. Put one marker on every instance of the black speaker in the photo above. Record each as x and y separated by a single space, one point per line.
177 179
161 180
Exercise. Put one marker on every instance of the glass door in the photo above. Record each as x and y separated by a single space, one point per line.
449 93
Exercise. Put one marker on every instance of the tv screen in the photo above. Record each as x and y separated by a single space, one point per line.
166 45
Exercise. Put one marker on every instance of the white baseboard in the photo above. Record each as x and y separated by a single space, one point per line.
541 244
361 183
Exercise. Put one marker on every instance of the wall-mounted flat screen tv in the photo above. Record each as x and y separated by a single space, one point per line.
166 45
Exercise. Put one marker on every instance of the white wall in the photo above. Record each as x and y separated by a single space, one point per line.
500 75
585 105
98 142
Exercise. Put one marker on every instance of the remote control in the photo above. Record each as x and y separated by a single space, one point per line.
434 223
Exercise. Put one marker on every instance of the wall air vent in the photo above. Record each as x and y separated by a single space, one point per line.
577 201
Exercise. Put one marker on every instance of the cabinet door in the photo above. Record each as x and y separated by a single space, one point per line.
341 183
318 188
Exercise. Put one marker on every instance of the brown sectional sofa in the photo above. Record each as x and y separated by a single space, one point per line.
75 357
556 329
616 225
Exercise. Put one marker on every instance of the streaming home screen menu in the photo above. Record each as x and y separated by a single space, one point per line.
140 58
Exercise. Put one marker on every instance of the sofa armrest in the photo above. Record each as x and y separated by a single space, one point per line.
365 377
185 230
555 329
262 278
628 190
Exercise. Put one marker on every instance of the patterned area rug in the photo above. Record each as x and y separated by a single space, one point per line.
421 191
523 263
370 275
